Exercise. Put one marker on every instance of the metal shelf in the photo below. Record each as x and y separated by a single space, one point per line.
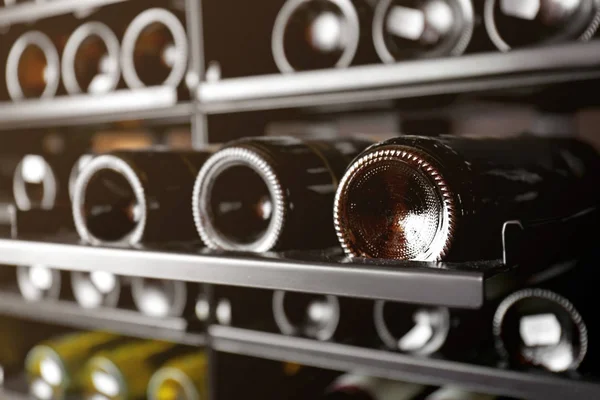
159 102
464 285
533 386
470 73
34 10
126 322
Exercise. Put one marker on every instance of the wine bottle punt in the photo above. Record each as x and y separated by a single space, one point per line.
264 194
40 282
165 298
422 198
512 24
410 29
357 387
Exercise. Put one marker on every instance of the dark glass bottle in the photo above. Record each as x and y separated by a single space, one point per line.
33 67
130 197
100 289
165 298
512 24
551 325
90 60
456 393
41 282
320 34
410 29
154 49
125 371
425 330
322 317
183 378
273 193
55 368
358 387
420 198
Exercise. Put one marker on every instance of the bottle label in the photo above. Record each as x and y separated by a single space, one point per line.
540 330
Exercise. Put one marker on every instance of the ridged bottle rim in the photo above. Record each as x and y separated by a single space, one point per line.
75 41
43 42
139 23
118 165
443 238
286 12
221 160
287 328
177 297
458 48
502 45
388 339
546 294
178 376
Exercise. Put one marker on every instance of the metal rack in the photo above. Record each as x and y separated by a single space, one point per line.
454 285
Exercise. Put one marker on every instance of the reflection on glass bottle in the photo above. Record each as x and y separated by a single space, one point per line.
359 387
183 378
521 23
55 367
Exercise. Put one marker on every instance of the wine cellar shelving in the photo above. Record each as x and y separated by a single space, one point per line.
468 286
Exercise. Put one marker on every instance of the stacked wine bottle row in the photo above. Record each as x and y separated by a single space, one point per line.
338 33
152 50
408 198
107 366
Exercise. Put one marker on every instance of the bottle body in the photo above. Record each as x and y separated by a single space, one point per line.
124 372
40 282
55 367
99 288
165 298
184 377
448 197
136 196
357 387
265 194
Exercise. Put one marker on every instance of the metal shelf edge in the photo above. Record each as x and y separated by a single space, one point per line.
126 322
398 366
152 102
427 284
401 75
43 9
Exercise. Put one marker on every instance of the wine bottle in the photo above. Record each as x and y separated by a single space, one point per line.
98 288
40 282
321 317
410 29
124 372
183 378
455 393
81 162
512 24
358 387
256 194
165 298
55 367
129 197
90 60
420 198
32 67
425 330
317 34
154 50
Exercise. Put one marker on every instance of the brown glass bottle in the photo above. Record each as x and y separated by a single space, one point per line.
130 197
357 387
512 24
318 34
90 60
419 198
154 49
264 194
411 29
